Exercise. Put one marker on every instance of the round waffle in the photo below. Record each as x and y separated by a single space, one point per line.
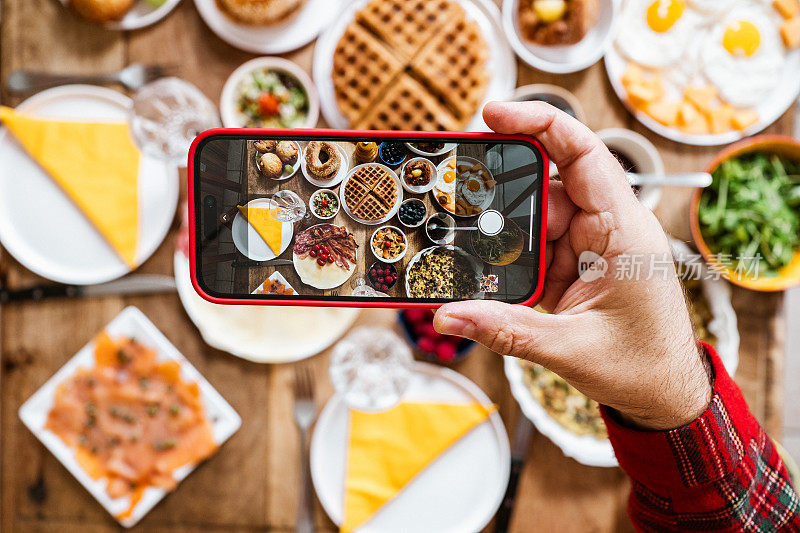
371 194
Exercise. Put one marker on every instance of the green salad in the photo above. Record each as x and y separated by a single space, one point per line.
750 214
270 98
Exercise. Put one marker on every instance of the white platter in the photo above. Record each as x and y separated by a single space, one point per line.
130 323
261 333
56 240
337 179
141 15
345 274
392 212
442 168
275 276
458 492
284 36
501 63
563 59
249 242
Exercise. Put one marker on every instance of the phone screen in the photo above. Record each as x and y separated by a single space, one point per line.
332 218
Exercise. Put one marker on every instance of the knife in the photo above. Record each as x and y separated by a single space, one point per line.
133 284
523 433
270 262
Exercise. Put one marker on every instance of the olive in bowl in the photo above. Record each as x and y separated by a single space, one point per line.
412 213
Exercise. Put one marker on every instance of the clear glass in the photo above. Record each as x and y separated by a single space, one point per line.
371 368
362 289
288 206
167 115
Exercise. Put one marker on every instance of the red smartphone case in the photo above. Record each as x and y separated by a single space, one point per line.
376 302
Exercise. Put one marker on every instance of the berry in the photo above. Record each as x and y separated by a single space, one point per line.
426 344
381 279
446 351
315 247
384 287
415 315
320 261
373 272
329 259
312 253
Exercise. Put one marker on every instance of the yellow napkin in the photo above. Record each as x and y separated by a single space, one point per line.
96 164
388 449
265 224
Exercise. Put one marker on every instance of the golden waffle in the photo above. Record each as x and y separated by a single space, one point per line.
406 25
362 69
407 105
370 176
371 208
354 192
386 191
452 65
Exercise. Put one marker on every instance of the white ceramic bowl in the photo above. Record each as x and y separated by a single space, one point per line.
227 103
642 153
552 94
563 59
448 147
412 201
381 259
317 193
412 188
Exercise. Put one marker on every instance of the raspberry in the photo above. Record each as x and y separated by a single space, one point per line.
446 351
426 344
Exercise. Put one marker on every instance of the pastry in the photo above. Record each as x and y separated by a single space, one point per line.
259 11
322 160
287 152
265 146
271 166
366 152
102 10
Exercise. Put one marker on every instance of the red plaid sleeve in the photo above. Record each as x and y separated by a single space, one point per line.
718 473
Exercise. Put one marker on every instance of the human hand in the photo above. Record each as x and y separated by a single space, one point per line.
626 343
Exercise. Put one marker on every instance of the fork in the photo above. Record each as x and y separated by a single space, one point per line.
134 77
304 413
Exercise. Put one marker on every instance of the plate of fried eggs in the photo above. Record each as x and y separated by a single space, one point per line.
706 72
464 186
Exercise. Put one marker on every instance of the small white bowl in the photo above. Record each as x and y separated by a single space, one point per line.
317 193
642 153
227 102
381 259
412 188
552 94
412 201
563 59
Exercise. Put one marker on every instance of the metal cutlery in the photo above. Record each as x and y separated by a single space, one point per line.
133 77
523 433
304 413
132 284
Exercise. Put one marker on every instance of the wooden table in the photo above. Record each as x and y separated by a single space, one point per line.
251 484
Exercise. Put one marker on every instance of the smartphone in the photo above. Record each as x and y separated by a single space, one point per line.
366 218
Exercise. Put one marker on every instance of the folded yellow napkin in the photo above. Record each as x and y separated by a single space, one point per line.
265 224
96 164
388 449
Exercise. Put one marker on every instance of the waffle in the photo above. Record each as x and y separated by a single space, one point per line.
386 191
371 208
370 176
452 65
362 69
354 192
407 105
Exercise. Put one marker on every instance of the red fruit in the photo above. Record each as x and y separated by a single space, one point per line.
426 330
426 344
384 287
446 351
268 104
373 273
329 259
320 261
416 315
380 280
315 247
312 253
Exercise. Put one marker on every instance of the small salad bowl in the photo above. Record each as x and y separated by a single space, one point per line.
316 195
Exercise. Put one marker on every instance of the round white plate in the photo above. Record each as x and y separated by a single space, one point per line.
501 63
249 242
562 59
769 110
445 149
478 267
39 224
228 107
337 179
141 14
284 176
442 168
284 36
261 333
459 491
424 188
345 274
391 212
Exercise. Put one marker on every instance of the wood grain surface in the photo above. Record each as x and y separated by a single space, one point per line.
251 484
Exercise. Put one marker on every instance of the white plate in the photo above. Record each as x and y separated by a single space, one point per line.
442 168
412 188
345 274
284 176
391 212
501 63
563 59
769 110
448 147
478 267
130 323
275 276
228 107
261 333
337 179
283 36
249 242
140 15
459 491
56 240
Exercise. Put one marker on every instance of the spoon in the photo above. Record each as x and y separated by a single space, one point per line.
687 179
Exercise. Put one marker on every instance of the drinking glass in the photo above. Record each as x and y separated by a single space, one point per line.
362 288
287 206
371 368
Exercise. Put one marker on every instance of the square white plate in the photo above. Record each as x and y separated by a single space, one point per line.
275 276
129 323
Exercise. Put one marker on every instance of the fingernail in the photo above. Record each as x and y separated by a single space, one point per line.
451 325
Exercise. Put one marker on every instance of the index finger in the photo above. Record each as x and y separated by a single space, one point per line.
592 176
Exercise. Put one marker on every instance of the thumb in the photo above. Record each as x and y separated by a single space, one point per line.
510 329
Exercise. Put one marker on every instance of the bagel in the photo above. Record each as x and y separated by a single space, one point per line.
322 160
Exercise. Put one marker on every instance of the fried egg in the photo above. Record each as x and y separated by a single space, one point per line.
655 32
743 56
474 190
713 7
447 181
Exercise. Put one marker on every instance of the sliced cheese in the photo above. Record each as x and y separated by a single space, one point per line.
96 164
266 226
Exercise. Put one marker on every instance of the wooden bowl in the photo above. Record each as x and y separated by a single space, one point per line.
789 275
